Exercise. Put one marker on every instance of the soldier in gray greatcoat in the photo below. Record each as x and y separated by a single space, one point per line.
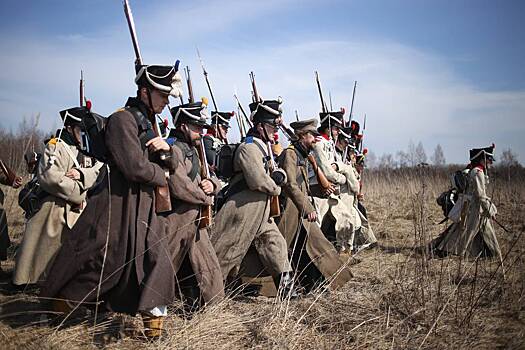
245 218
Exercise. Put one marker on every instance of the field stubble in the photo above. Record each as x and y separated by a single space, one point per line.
399 298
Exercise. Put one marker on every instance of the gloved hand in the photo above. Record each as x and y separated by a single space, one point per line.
279 177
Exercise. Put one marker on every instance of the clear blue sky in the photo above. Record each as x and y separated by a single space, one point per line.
446 72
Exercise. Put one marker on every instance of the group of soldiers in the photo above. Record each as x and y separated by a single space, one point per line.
159 217
154 217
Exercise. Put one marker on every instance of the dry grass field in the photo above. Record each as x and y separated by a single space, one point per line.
400 298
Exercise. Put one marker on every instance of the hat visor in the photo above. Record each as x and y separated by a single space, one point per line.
344 134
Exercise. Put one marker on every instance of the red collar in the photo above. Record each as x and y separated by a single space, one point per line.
325 136
480 167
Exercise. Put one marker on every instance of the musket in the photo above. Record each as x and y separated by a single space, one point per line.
296 115
162 193
206 210
275 209
9 174
352 105
191 99
81 88
323 106
207 81
246 118
330 98
362 136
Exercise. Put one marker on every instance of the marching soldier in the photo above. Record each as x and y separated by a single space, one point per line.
472 235
362 235
334 213
314 258
6 178
120 219
244 219
217 135
365 237
64 176
192 252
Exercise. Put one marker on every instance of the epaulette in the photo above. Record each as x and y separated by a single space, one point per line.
120 110
291 147
248 139
52 141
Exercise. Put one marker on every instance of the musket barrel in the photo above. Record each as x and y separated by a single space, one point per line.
131 26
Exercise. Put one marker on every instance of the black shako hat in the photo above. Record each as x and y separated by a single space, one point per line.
266 111
334 118
73 116
162 78
221 118
477 154
191 113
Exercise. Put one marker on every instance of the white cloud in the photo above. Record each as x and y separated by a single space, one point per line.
406 93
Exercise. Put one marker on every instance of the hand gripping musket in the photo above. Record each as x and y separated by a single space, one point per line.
9 174
275 209
162 193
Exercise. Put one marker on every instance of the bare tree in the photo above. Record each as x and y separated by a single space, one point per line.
438 159
411 154
387 161
420 154
509 158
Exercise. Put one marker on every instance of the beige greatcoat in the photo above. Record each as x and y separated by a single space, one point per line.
59 212
294 225
362 232
335 206
244 218
474 234
185 239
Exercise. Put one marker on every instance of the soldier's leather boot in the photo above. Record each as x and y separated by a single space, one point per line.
285 286
152 326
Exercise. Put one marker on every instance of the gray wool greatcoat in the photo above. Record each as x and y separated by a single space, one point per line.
138 273
245 219
184 235
59 210
474 234
297 206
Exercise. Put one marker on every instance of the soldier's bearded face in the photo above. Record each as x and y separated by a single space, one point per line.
308 141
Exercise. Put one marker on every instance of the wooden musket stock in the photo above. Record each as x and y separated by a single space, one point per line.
206 210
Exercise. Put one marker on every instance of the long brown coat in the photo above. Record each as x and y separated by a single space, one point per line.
297 206
59 210
184 235
137 274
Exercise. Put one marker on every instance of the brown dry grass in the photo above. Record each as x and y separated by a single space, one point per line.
398 298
